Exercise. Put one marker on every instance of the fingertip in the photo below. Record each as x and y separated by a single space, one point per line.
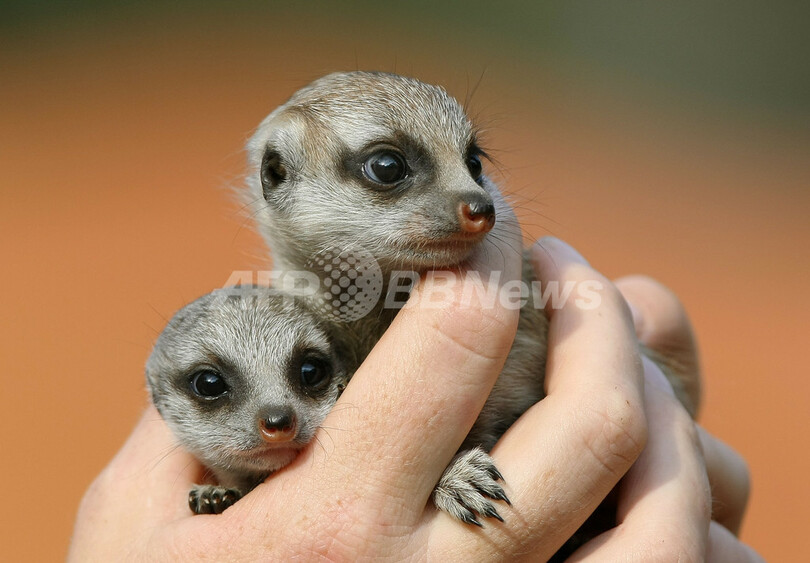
551 252
661 314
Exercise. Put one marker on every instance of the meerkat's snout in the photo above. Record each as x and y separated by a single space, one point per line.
476 216
277 424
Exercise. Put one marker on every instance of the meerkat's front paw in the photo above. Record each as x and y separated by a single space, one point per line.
467 485
211 499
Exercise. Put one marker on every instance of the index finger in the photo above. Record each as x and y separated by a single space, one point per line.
590 312
417 394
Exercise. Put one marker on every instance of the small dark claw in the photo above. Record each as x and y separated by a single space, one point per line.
493 471
209 499
500 495
467 484
469 518
492 512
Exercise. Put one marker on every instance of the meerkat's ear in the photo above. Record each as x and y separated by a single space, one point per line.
273 172
270 149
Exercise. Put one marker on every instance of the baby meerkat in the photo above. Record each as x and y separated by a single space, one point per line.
243 377
392 166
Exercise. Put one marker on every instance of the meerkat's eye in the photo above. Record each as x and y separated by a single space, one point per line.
385 167
208 384
474 166
315 372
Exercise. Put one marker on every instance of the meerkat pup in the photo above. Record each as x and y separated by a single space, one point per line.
243 377
391 166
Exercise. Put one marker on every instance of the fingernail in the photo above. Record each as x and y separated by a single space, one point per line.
562 249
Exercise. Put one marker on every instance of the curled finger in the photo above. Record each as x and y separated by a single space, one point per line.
664 501
729 480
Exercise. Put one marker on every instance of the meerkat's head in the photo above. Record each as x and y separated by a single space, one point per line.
244 378
371 160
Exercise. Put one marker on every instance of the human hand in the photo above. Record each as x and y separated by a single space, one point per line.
666 509
653 495
363 489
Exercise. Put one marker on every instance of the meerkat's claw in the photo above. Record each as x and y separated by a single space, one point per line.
467 485
211 499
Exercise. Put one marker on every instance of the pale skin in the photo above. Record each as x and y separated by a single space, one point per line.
362 490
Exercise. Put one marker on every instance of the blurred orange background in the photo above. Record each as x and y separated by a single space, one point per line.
674 144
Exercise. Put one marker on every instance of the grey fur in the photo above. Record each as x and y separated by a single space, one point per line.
322 204
313 197
255 339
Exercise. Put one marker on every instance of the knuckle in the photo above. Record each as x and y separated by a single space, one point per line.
482 331
617 431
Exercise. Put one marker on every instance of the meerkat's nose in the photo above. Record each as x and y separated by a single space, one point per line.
476 216
277 424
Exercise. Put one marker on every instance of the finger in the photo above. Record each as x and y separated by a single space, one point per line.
415 397
564 455
729 480
724 547
593 315
663 325
664 500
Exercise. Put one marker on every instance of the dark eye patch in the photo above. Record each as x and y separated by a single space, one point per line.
390 165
